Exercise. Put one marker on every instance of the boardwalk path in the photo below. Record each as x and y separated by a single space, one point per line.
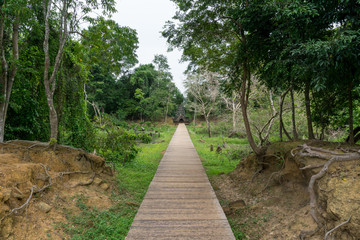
180 202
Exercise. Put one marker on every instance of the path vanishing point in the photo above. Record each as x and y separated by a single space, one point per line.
180 202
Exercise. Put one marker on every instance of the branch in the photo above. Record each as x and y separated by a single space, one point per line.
79 33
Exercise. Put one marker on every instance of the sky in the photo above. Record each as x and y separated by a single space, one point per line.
148 17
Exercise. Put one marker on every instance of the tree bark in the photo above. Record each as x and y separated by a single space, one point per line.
308 111
167 109
7 75
208 125
295 134
282 127
243 101
234 119
50 82
351 115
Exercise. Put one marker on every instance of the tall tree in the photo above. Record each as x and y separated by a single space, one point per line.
233 105
10 12
67 23
204 88
215 34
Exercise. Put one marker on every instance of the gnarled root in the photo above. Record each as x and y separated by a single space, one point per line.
331 157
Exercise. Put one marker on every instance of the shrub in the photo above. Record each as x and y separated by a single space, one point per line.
117 145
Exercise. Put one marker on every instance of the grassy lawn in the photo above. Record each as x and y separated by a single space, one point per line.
133 181
213 162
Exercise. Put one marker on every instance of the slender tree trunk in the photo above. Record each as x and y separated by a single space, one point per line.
50 82
280 120
7 75
351 115
195 105
167 110
308 111
244 102
4 77
295 134
208 125
282 126
234 118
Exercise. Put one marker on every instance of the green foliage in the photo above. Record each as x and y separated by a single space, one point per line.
133 182
109 43
117 145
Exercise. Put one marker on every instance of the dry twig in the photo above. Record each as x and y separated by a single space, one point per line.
21 207
332 230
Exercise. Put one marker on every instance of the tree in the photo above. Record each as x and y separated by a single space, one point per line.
221 35
110 46
233 105
204 87
67 23
10 12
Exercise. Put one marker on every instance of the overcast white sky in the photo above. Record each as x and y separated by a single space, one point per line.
148 18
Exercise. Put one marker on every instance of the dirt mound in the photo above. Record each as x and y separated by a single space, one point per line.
275 197
38 185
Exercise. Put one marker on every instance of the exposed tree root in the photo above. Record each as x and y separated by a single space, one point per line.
48 178
21 207
331 157
50 183
332 230
90 181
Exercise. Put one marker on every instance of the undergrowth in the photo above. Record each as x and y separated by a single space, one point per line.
133 180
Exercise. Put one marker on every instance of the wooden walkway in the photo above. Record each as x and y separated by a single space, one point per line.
180 202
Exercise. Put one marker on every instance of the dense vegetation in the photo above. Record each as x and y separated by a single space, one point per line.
74 86
133 182
261 51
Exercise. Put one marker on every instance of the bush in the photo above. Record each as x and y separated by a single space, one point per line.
117 145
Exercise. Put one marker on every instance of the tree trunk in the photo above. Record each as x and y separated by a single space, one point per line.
308 111
351 115
7 75
243 102
280 121
208 125
50 82
195 115
234 119
282 127
167 110
295 134
3 78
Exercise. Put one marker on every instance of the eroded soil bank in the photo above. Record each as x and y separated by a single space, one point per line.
43 182
268 198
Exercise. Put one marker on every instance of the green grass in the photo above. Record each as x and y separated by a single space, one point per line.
213 162
133 181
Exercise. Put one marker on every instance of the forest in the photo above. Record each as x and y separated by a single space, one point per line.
264 77
60 81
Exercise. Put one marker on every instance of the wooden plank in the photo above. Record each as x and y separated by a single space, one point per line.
180 202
